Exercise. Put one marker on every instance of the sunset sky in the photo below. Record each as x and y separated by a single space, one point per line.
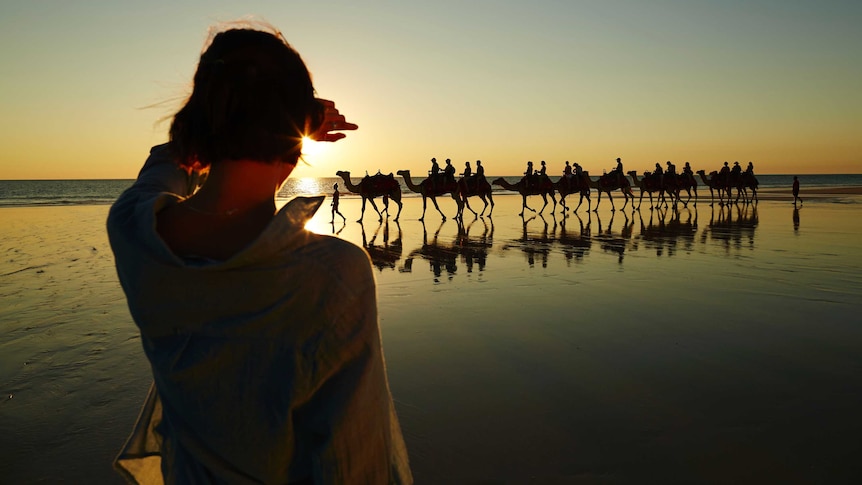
778 82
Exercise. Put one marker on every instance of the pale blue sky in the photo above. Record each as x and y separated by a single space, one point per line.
701 81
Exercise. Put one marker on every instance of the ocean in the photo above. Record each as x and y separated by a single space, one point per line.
23 193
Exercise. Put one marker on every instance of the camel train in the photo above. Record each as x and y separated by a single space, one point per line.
667 188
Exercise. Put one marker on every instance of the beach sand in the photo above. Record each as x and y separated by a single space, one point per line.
709 345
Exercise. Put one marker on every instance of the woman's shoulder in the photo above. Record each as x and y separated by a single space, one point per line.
336 253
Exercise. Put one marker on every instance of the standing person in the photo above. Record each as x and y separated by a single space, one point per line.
796 191
335 196
262 337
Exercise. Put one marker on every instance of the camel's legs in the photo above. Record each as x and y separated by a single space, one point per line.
434 200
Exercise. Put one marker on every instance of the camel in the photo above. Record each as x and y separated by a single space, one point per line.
715 185
610 182
544 187
574 186
375 186
428 190
648 184
475 186
749 181
688 183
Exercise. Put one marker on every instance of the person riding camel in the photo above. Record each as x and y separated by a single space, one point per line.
724 174
618 171
567 175
749 169
671 168
528 175
543 172
433 174
449 172
480 171
467 175
688 172
659 175
735 172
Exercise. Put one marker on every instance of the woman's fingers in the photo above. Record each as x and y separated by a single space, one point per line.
333 120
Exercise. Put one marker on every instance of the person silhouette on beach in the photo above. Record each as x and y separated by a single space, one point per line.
796 191
467 170
262 337
334 203
480 170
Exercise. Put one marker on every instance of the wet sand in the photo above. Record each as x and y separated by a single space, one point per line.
705 345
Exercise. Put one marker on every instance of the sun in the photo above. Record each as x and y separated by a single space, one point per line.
311 148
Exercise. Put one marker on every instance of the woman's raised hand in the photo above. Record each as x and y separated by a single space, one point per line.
332 121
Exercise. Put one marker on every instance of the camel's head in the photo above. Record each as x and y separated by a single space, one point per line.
403 173
701 172
342 173
498 181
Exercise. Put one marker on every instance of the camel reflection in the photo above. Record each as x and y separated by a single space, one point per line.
385 255
473 251
733 226
575 244
535 242
615 243
667 231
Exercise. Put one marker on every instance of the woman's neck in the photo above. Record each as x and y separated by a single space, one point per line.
238 186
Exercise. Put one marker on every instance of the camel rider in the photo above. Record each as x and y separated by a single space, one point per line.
671 168
619 171
543 172
724 174
567 175
735 172
480 170
466 176
528 175
659 175
449 171
434 172
749 169
687 171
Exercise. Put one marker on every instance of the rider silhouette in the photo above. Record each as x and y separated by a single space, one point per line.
449 171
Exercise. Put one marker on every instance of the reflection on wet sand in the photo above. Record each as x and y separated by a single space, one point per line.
535 242
615 243
575 244
795 219
730 226
666 230
444 255
387 254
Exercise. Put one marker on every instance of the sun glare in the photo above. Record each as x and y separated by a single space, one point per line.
311 148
